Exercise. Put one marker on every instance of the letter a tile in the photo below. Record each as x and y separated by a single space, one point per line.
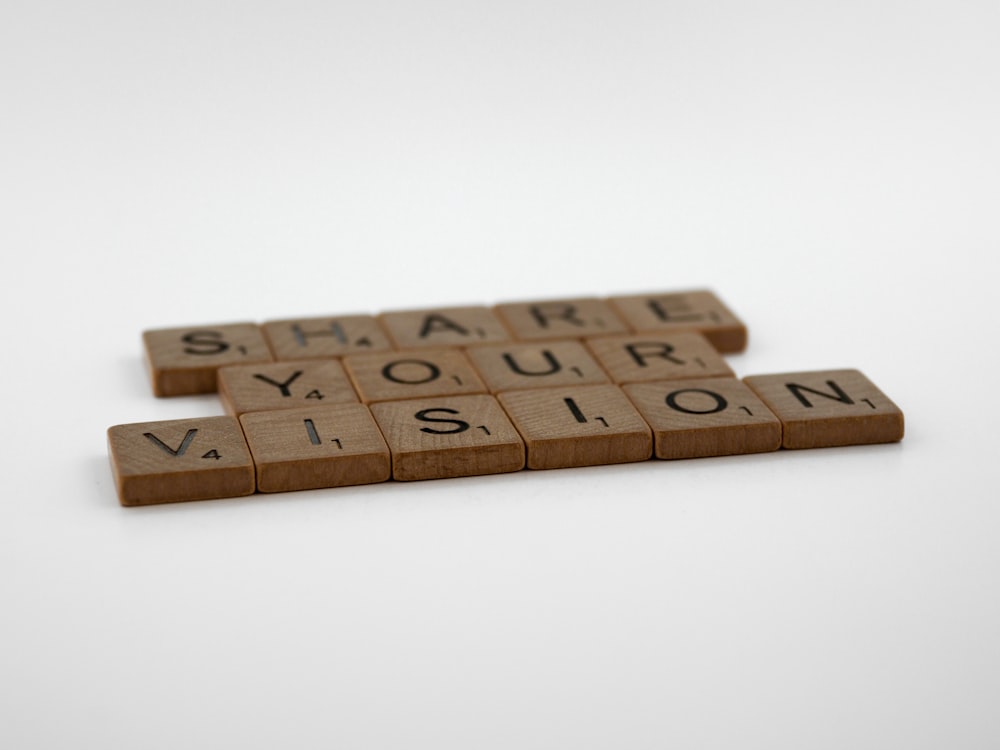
706 417
322 446
826 408
454 436
447 326
578 426
181 459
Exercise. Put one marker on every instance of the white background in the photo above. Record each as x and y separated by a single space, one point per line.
831 170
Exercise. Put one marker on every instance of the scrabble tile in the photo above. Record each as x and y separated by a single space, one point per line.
443 327
320 338
184 361
508 367
705 417
560 319
578 426
284 385
334 445
180 459
828 408
669 312
453 436
392 376
638 358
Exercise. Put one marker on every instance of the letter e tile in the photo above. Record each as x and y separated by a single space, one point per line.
323 446
181 459
578 426
184 361
827 408
705 417
453 436
669 312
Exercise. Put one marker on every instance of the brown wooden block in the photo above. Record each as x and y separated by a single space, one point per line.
393 376
321 338
455 436
668 312
509 367
443 327
336 445
284 385
560 319
826 408
578 426
180 459
705 417
184 361
639 358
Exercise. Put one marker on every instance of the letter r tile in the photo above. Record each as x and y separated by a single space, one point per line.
453 436
560 319
181 459
184 361
827 408
638 358
578 426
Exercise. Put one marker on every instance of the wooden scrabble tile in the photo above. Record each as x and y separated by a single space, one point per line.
453 436
705 417
668 312
392 376
321 338
184 361
560 319
829 407
578 426
443 327
509 367
334 445
181 459
638 358
284 385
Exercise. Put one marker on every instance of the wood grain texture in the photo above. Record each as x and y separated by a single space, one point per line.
322 338
284 385
578 426
669 312
393 376
452 436
705 417
827 408
335 445
546 320
179 460
184 361
443 327
509 367
649 357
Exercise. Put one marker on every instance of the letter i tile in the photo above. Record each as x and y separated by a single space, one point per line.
323 446
578 426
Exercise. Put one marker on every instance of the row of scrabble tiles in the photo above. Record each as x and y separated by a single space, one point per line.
340 444
185 361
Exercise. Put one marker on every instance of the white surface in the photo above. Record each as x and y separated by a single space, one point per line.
830 169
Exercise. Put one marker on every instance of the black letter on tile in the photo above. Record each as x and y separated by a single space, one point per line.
460 426
661 350
210 339
720 402
180 449
838 393
276 384
554 365
433 373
